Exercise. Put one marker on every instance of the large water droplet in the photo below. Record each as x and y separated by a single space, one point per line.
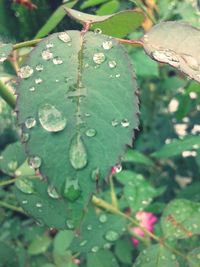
166 56
103 218
35 162
52 192
47 54
99 58
107 45
25 185
191 61
63 36
112 64
71 190
3 58
25 72
30 123
57 61
70 224
77 153
51 119
91 132
111 235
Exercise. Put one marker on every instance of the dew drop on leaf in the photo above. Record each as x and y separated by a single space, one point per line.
25 72
57 61
125 123
89 227
112 64
52 192
70 224
47 54
25 185
49 45
77 153
2 58
191 62
111 235
95 249
35 162
51 119
95 174
71 190
166 56
114 123
38 80
24 137
64 36
107 45
83 243
32 89
103 218
30 123
98 31
38 205
39 67
91 132
99 58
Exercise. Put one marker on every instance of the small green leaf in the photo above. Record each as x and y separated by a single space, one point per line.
108 8
177 146
39 245
7 255
156 256
5 50
91 3
11 158
181 219
62 241
194 257
102 258
135 156
116 25
124 251
175 43
137 191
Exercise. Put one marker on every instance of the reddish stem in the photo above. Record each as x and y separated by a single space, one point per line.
130 42
86 27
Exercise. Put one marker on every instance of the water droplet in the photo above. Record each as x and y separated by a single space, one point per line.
24 137
77 153
112 64
91 132
111 235
47 54
57 61
30 123
24 201
107 246
52 192
51 118
118 75
87 114
97 31
38 205
83 243
95 174
103 218
2 58
107 45
32 89
35 162
25 72
12 165
49 45
191 61
38 80
117 168
130 198
95 249
114 123
71 190
89 227
63 36
39 67
70 224
198 256
166 56
99 58
125 123
173 257
25 185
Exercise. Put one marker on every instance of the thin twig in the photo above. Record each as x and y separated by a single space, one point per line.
130 42
7 95
26 44
11 207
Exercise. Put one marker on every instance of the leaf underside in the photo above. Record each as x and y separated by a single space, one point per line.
77 114
177 44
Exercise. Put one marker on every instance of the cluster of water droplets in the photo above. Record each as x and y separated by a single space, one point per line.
124 123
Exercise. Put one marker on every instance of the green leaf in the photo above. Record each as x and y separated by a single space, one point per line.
116 25
137 191
156 256
7 256
91 3
77 109
5 50
137 157
175 43
11 158
63 240
54 20
103 258
108 8
176 147
181 219
191 192
194 257
124 251
39 245
98 231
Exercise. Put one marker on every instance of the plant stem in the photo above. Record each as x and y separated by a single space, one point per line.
144 9
103 204
11 207
26 44
130 42
7 95
11 181
112 192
